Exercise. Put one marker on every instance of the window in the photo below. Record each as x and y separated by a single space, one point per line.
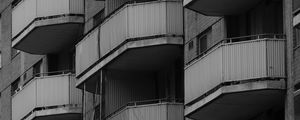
191 45
37 69
202 44
15 86
202 40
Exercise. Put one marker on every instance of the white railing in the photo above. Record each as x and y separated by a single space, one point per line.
27 11
43 92
132 21
235 61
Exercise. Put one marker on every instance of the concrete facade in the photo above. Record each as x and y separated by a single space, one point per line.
147 70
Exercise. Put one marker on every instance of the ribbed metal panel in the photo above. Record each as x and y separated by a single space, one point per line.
52 7
244 60
24 101
162 111
22 15
44 92
87 51
52 91
175 112
174 18
203 75
140 20
276 58
76 6
147 19
75 93
235 62
26 11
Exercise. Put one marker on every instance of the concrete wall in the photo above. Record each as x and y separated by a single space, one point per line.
196 24
92 7
12 67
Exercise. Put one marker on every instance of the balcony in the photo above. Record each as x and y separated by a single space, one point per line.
238 73
46 26
132 34
220 7
149 110
48 97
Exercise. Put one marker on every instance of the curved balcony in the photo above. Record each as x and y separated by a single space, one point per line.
129 37
46 26
220 7
161 109
48 97
246 72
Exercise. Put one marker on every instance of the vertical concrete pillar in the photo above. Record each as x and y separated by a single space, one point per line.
288 31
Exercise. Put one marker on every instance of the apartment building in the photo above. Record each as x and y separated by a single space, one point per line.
149 59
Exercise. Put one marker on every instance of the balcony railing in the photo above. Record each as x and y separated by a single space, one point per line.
27 11
136 21
235 59
158 109
46 92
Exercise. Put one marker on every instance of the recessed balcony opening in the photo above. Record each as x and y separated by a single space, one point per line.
225 7
143 85
150 76
46 26
265 18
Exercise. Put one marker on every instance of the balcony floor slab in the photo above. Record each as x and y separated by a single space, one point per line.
244 100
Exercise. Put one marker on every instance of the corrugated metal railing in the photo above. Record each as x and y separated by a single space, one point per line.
27 11
144 102
235 39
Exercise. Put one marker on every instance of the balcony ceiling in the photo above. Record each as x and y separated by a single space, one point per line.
49 39
147 58
138 59
220 7
240 106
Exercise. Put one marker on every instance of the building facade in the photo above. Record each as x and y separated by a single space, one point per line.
149 59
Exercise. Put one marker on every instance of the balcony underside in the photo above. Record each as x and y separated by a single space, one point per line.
220 7
238 102
61 113
142 55
49 35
